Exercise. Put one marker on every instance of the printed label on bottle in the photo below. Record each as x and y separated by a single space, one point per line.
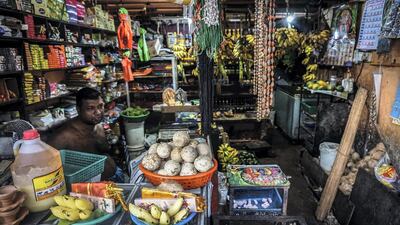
49 185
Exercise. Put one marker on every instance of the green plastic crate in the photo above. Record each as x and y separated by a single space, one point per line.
81 167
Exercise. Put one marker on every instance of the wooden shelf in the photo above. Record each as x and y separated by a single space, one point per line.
115 99
46 101
112 81
13 101
50 42
184 108
151 77
10 73
54 125
147 92
70 68
343 95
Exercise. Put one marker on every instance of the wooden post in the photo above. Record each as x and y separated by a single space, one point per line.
346 144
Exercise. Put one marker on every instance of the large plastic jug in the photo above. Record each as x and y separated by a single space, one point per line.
37 171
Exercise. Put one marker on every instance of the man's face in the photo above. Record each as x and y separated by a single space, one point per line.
92 111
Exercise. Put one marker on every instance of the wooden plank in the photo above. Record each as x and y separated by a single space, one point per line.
174 109
331 186
131 1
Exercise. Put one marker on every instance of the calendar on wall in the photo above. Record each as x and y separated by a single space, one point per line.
371 24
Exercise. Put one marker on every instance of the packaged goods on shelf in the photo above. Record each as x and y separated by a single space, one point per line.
54 32
56 56
70 111
71 36
81 11
10 26
41 119
28 87
71 6
99 18
7 4
10 60
40 7
24 5
30 33
57 10
74 56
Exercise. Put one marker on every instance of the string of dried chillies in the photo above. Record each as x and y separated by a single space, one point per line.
264 64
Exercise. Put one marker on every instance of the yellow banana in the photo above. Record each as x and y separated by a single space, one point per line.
174 209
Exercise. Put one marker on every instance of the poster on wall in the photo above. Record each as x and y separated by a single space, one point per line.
396 108
371 24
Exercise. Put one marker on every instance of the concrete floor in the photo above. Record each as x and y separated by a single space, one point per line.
301 200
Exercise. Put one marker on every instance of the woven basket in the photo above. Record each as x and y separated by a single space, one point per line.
187 182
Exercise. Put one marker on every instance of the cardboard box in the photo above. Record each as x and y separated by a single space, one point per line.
40 7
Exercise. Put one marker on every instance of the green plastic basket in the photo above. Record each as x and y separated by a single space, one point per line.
81 167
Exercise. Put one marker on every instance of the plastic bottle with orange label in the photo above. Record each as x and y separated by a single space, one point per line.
37 171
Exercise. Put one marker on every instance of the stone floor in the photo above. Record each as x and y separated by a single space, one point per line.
301 199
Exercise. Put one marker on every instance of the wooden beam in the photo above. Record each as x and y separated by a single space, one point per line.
131 1
346 144
148 6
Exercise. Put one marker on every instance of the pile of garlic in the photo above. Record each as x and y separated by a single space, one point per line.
355 163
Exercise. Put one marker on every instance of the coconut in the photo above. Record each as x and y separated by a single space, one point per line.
204 149
181 139
153 149
163 150
151 162
172 168
188 169
189 154
203 163
176 155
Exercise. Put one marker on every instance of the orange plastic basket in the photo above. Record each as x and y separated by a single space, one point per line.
187 182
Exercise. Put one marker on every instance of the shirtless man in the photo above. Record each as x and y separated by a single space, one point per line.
85 134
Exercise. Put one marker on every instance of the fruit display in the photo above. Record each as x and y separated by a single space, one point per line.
181 157
73 209
323 85
163 215
261 175
135 111
247 158
227 156
311 45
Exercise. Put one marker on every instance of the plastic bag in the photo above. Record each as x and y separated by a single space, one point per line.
387 174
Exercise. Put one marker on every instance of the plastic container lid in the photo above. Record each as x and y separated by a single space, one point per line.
31 134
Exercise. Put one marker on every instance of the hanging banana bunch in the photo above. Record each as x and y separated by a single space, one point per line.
310 46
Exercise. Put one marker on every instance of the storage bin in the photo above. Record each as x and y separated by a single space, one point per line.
81 167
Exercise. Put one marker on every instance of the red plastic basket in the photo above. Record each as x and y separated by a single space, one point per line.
187 182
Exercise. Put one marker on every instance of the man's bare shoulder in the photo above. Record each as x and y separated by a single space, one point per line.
64 134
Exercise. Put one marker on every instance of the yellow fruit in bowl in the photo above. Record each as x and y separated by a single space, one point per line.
83 204
66 201
85 214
